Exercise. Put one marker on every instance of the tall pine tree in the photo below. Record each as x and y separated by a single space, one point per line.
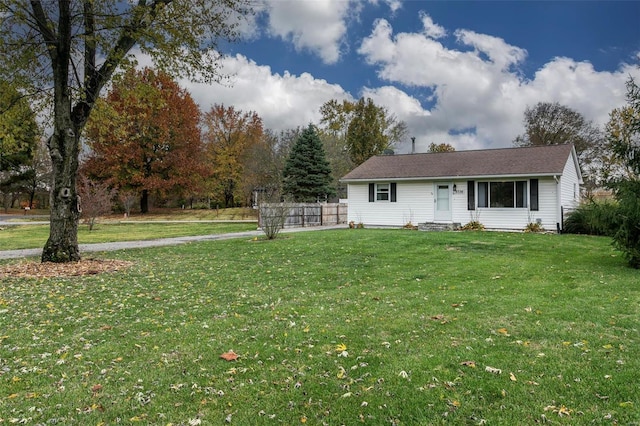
306 174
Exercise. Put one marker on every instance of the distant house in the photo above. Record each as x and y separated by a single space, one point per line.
503 189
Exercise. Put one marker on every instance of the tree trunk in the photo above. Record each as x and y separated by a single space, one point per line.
32 195
144 202
229 200
62 245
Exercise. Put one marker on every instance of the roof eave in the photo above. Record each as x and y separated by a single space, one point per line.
422 178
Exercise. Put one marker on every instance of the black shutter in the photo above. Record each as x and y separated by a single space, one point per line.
372 192
533 194
393 192
471 195
521 193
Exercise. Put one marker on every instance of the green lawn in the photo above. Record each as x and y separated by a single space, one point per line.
35 236
334 327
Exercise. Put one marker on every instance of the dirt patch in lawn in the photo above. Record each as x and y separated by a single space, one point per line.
34 269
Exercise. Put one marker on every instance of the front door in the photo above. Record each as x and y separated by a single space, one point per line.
442 202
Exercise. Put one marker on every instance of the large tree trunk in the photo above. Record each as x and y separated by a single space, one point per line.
62 245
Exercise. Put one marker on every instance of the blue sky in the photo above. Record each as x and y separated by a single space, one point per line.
459 72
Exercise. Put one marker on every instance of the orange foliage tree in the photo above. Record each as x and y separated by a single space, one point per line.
145 136
231 138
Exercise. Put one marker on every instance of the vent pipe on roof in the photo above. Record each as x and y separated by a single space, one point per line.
413 145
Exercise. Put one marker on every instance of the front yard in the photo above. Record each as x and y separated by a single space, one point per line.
331 327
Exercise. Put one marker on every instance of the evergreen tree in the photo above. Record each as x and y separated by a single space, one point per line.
306 174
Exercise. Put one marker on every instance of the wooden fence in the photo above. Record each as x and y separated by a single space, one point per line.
303 214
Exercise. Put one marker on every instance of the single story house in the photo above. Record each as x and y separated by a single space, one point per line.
503 189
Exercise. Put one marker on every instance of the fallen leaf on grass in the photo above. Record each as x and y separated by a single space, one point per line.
492 370
471 364
229 356
512 377
561 411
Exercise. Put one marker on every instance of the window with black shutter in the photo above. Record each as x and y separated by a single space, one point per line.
393 193
372 192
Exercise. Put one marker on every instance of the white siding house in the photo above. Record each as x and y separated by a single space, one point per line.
502 188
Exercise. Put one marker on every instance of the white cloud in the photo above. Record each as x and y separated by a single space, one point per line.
431 29
318 26
496 49
480 96
282 101
396 101
394 5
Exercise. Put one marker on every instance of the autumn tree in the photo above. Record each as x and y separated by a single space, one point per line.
67 51
441 147
231 137
145 136
266 162
553 124
306 174
367 129
338 156
623 136
619 137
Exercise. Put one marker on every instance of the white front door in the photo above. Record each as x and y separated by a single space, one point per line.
442 202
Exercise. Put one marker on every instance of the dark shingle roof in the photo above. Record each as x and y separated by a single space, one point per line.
537 160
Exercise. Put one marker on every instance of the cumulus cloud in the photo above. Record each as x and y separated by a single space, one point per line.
284 101
480 95
318 26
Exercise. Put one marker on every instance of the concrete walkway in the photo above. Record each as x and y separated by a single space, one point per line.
123 245
16 220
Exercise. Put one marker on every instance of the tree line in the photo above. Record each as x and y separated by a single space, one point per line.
147 136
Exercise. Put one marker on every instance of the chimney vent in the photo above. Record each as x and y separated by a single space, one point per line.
413 145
